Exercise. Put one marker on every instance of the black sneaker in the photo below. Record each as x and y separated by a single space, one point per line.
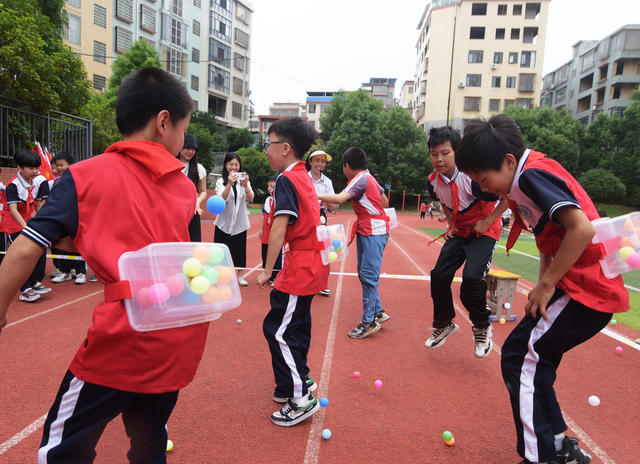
364 329
526 461
439 336
571 454
295 411
311 387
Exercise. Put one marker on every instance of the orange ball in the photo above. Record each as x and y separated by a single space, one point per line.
201 253
451 442
224 293
626 241
628 224
211 295
225 274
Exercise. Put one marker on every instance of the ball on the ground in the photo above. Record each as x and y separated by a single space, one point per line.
202 253
356 374
378 383
502 320
199 284
446 435
450 442
637 340
332 256
326 434
324 402
594 400
613 321
625 252
507 306
216 204
619 349
239 321
175 285
169 445
192 267
158 293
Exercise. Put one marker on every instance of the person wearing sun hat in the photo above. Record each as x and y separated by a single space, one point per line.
318 160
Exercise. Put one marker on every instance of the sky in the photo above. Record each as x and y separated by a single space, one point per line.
302 45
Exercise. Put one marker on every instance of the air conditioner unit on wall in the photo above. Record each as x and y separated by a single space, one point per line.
494 66
460 85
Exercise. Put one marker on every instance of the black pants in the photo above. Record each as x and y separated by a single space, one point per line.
82 410
287 328
195 232
277 266
3 245
530 357
66 265
422 213
237 245
477 252
38 272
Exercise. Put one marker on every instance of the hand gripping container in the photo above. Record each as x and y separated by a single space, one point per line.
178 284
621 239
334 242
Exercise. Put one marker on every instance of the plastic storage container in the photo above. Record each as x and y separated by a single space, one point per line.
621 239
178 284
393 218
335 243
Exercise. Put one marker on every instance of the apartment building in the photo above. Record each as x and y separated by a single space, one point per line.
382 89
475 58
600 76
405 100
204 43
287 109
315 105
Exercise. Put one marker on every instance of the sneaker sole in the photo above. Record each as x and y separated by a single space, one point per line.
382 319
487 353
366 334
298 419
444 340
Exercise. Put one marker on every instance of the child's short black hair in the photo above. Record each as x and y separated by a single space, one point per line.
355 157
438 135
64 155
273 178
27 159
486 142
144 93
298 133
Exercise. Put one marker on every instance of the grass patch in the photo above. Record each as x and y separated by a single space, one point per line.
615 210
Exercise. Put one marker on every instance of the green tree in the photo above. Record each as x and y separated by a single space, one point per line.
105 132
626 159
255 163
238 138
599 145
602 185
37 67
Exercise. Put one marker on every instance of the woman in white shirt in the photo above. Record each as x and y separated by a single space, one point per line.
232 224
188 156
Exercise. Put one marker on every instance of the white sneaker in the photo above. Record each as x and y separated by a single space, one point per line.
439 336
325 292
483 340
62 277
242 281
28 295
81 279
39 289
56 272
295 411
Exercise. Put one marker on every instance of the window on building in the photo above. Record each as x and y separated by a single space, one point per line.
511 82
147 19
499 33
222 6
177 7
236 110
497 57
219 53
99 16
312 108
526 82
474 80
220 27
75 3
532 11
197 3
524 102
195 55
219 79
195 83
475 56
123 39
502 10
124 10
515 34
238 61
71 32
99 82
472 103
241 38
494 104
513 57
174 65
238 86
243 14
517 10
561 95
508 102
530 35
196 27
528 60
616 91
99 52
619 67
476 33
177 32
495 81
603 71
478 9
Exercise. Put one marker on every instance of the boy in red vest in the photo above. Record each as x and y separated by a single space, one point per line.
371 231
573 299
139 182
296 216
474 228
267 218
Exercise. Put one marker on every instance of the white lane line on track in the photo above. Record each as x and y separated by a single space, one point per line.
313 442
24 433
582 435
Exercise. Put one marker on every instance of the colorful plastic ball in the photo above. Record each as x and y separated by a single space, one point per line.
507 306
143 298
378 383
336 242
225 274
356 374
216 255
224 293
613 321
341 254
634 260
239 321
626 242
625 252
502 320
450 442
338 248
594 400
326 434
190 297
619 349
201 253
199 284
216 204
446 435
211 295
169 445
158 293
211 275
192 267
324 402
332 256
628 224
175 285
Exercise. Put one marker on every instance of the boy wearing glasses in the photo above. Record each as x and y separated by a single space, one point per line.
295 217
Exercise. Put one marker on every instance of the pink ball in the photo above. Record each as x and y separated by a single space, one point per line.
142 297
175 285
158 293
619 349
356 374
634 260
378 383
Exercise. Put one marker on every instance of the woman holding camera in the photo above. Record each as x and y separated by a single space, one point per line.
232 224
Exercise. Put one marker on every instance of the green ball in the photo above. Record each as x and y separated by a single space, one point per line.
447 436
211 274
613 321
217 255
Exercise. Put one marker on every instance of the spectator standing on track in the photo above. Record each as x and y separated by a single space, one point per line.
572 301
118 370
188 156
26 193
296 217
474 228
371 231
423 210
3 236
232 224
318 160
267 219
430 209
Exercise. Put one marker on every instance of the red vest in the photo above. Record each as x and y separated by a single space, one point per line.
129 197
302 271
267 219
370 216
25 208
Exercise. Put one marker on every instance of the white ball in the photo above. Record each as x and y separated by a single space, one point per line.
239 321
507 306
594 400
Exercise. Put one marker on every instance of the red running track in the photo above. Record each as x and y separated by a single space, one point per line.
223 416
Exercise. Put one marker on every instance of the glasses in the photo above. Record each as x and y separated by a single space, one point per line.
267 144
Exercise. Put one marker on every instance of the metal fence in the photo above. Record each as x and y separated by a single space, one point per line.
20 129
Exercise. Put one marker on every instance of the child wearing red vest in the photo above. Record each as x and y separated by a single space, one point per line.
296 216
573 299
267 218
127 198
474 228
371 231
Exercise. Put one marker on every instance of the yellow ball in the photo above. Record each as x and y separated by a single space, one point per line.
625 252
169 445
192 267
332 256
502 320
199 284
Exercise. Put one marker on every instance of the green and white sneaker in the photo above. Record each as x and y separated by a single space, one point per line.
311 387
295 411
